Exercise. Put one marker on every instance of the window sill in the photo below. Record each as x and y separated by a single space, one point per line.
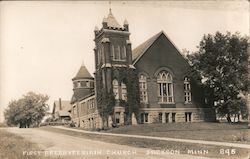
166 102
119 60
188 103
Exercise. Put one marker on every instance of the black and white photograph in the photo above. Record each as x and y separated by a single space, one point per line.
125 79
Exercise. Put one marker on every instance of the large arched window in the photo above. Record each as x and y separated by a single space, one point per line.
187 90
124 91
165 87
143 88
115 88
118 52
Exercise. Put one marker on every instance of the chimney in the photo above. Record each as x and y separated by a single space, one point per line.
60 104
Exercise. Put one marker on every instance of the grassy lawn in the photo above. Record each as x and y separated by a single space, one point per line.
200 131
214 151
13 146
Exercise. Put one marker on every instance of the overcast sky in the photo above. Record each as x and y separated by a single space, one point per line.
43 44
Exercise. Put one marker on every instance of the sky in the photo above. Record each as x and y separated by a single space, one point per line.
44 43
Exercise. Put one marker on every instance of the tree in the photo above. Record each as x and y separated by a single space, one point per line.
222 62
27 111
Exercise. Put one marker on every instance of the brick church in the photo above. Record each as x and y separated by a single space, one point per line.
149 84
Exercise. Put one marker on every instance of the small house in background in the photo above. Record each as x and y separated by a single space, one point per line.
61 110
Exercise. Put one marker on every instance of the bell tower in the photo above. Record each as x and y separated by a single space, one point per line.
113 58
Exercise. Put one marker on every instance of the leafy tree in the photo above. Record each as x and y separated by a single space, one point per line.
222 62
27 111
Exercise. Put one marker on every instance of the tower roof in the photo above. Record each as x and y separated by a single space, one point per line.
83 73
111 21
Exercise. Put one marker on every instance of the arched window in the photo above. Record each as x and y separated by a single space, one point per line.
102 54
124 91
113 51
74 110
143 88
98 56
78 84
123 53
165 87
187 90
115 88
87 83
84 83
118 52
101 57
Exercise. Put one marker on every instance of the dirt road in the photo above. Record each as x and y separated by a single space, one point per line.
64 146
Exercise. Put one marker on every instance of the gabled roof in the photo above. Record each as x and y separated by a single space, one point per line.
82 73
65 106
138 52
111 21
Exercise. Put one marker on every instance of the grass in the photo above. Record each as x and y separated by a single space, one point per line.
13 146
214 151
237 132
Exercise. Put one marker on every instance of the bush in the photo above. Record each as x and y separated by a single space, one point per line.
98 129
54 123
72 124
114 125
3 125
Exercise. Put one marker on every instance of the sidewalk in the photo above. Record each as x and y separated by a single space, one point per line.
246 146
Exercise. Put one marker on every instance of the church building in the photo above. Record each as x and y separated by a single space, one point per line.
150 84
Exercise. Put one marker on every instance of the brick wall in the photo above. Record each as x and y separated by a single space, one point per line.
162 55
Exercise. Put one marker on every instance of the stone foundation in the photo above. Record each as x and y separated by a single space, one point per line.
94 120
169 115
154 115
90 121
